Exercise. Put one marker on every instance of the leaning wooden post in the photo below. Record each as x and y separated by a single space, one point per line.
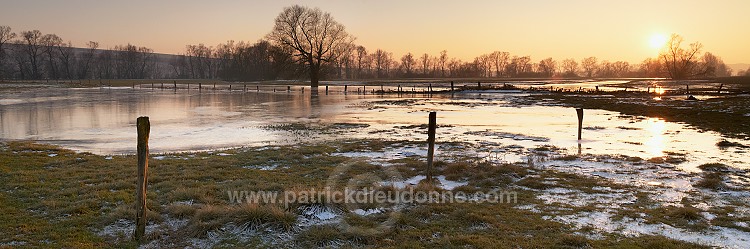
144 128
345 86
431 144
580 121
720 86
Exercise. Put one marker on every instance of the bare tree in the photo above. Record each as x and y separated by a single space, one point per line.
361 57
67 59
6 35
442 60
424 61
407 63
589 66
569 68
548 67
500 60
84 66
651 68
312 34
679 62
50 44
713 66
32 49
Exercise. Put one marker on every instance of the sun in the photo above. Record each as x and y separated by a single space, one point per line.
657 41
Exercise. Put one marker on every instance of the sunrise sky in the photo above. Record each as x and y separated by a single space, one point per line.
609 30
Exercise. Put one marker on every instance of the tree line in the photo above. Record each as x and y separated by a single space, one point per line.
308 44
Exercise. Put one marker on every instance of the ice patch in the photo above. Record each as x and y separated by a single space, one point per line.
52 155
368 211
262 167
449 185
224 154
716 236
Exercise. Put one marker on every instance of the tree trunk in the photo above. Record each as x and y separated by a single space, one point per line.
314 76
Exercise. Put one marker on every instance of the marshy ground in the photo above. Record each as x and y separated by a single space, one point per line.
55 197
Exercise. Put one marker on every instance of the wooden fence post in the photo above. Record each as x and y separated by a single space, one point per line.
431 144
144 128
451 86
579 111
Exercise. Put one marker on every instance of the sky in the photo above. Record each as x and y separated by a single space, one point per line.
609 30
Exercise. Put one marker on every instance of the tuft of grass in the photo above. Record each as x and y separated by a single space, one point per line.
685 213
712 180
572 241
713 167
567 158
533 182
726 144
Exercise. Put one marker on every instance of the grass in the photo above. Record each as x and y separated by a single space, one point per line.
67 199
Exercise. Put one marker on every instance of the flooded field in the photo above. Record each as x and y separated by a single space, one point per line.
102 121
655 166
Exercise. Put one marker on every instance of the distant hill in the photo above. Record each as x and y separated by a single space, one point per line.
738 67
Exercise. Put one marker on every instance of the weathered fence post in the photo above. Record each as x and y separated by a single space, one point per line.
345 86
720 86
230 87
244 87
200 87
364 89
162 86
579 111
288 88
431 144
479 85
144 128
326 89
451 86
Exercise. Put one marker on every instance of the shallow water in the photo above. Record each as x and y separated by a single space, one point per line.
102 121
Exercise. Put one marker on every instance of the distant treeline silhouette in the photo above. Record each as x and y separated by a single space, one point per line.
32 55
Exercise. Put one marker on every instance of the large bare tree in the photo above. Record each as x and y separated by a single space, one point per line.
312 34
681 63
589 66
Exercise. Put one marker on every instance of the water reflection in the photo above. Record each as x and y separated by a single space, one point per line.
103 121
655 142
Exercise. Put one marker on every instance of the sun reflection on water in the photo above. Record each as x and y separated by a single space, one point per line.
655 143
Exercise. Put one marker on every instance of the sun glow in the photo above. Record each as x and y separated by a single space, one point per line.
657 41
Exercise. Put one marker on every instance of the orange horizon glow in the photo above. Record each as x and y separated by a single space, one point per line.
613 31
